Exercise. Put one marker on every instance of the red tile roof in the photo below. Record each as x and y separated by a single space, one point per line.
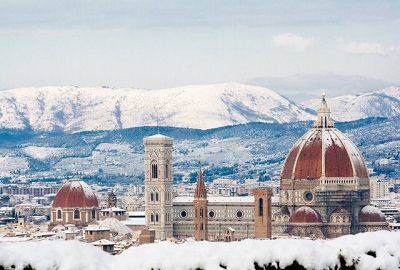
370 213
322 151
75 193
305 214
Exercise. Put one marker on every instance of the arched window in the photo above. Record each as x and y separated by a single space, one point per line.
77 214
152 217
93 213
154 170
156 217
59 214
156 196
201 212
151 197
166 170
260 207
201 227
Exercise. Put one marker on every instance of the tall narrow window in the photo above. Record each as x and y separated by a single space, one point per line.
93 213
201 212
166 170
59 214
154 170
156 217
151 196
269 208
201 227
77 214
260 207
152 217
156 196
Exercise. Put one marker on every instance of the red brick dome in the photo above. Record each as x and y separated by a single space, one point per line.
324 150
305 214
284 210
340 210
370 213
75 193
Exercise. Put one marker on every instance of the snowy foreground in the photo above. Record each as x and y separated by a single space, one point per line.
378 250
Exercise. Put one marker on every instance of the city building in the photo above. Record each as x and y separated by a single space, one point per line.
218 212
158 182
75 203
379 188
324 193
325 189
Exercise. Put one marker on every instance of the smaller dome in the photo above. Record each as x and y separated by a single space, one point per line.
75 193
115 226
370 213
305 214
283 211
340 210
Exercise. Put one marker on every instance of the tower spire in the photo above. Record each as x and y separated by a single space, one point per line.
200 191
324 115
200 204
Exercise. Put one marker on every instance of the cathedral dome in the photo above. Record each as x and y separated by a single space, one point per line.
75 193
305 214
340 210
324 151
283 211
370 213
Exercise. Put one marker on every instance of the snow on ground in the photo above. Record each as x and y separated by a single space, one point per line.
377 250
43 152
75 109
9 164
381 103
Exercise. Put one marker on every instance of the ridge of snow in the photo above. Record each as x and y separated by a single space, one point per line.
74 109
376 250
380 103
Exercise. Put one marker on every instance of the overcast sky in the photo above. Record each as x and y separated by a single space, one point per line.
295 48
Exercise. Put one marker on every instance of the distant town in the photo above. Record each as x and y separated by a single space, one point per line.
324 191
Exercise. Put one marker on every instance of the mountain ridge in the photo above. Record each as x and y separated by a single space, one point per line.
245 151
380 103
75 109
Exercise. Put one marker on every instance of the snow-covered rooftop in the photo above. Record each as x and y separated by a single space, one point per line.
377 250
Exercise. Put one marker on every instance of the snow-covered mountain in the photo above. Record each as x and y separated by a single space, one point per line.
380 103
74 109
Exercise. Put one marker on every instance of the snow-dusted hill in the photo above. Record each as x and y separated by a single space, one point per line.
74 109
380 103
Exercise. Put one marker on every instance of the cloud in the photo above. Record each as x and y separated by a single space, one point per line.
362 47
292 42
393 48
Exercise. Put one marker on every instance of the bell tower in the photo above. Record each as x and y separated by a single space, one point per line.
262 213
158 185
200 203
